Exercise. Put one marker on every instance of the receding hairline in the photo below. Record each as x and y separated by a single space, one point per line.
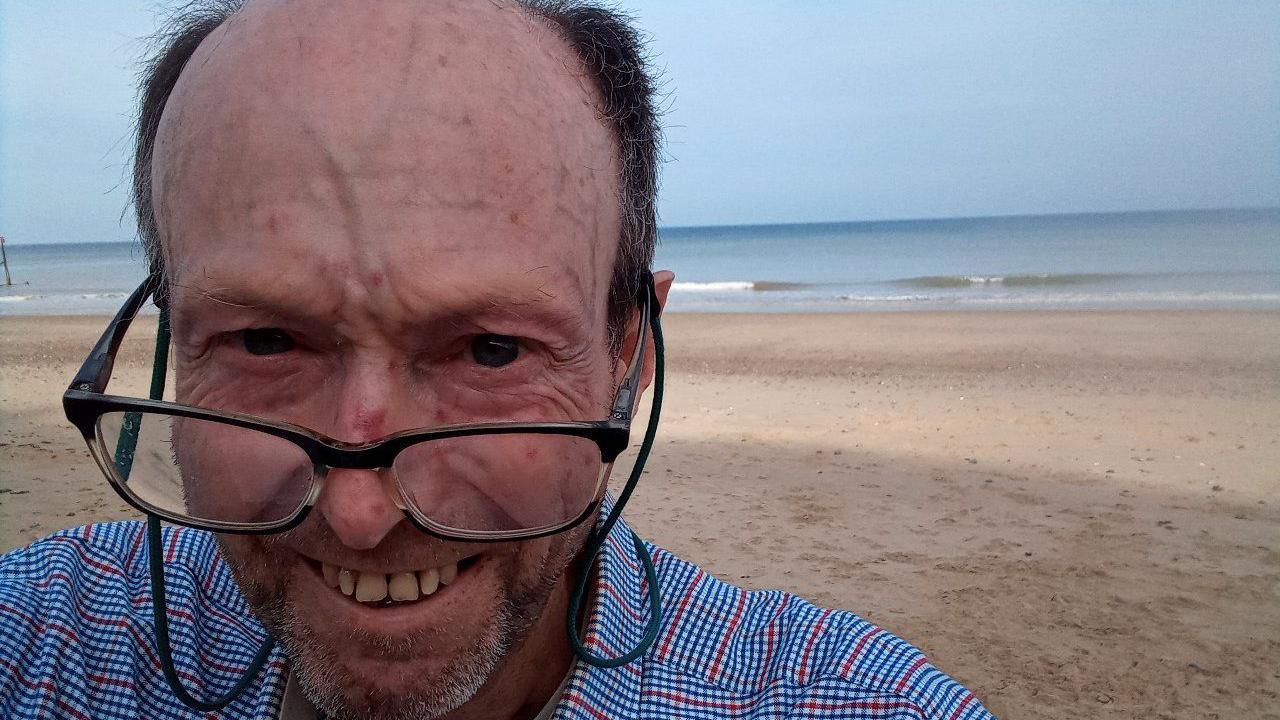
610 49
520 89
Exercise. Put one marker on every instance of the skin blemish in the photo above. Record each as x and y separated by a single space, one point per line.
368 422
377 278
514 217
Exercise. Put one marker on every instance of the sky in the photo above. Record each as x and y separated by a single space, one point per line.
786 111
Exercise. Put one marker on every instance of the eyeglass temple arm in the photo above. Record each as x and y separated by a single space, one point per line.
625 401
96 370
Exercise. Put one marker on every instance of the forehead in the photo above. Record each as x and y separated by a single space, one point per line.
419 147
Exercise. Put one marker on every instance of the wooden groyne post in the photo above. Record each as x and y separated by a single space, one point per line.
4 260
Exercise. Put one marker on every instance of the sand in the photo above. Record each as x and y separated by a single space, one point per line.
1075 514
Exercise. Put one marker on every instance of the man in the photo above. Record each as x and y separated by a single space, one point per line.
367 219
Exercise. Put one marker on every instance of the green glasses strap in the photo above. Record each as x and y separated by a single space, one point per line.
595 541
125 446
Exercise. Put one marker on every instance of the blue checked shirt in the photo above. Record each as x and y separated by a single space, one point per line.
77 641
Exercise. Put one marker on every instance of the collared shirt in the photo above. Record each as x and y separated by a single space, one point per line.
77 641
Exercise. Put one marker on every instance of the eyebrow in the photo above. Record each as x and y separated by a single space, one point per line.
531 303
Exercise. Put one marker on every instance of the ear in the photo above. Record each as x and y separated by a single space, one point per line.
662 281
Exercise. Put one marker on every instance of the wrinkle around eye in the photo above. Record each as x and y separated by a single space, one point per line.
561 389
525 404
274 388
279 398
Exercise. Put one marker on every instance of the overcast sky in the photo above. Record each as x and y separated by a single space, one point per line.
787 111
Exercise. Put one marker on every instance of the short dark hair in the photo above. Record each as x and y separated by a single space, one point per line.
611 51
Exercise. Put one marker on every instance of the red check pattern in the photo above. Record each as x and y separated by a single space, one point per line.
76 641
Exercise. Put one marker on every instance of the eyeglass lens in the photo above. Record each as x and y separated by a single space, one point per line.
215 472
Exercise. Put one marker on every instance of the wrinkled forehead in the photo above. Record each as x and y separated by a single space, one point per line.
418 141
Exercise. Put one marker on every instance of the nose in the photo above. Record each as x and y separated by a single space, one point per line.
358 506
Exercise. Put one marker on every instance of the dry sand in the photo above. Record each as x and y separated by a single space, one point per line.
1075 514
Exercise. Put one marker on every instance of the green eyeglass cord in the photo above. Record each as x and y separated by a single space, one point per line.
127 443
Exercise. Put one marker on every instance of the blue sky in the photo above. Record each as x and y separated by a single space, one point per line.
787 111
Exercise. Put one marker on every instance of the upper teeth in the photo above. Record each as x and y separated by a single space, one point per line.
376 587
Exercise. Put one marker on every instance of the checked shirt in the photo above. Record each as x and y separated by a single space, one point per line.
76 641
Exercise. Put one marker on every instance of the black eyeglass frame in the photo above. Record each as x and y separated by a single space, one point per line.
85 401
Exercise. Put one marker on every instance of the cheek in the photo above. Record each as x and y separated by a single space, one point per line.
236 474
255 569
545 561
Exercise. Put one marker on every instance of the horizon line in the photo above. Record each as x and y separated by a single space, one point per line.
1009 216
10 242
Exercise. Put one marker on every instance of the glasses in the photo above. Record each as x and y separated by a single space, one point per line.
230 472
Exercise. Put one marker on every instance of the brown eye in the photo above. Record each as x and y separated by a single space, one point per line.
494 350
266 341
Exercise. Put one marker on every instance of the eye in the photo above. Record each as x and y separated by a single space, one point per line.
266 341
495 350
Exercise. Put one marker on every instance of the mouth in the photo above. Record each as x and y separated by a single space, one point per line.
384 590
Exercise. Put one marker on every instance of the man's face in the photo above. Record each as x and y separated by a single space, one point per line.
383 217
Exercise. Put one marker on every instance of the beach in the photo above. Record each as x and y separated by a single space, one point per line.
1073 513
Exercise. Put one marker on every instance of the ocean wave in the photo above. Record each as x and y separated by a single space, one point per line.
731 286
1122 298
66 298
711 286
1033 280
888 298
103 295
738 285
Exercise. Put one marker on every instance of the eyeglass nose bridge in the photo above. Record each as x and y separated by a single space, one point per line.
320 476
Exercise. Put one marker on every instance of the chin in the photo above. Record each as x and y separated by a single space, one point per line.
421 659
407 659
392 661
346 688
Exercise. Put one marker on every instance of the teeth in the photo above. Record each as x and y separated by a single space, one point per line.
371 587
448 573
429 580
403 586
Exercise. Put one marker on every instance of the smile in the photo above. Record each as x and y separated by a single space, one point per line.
387 589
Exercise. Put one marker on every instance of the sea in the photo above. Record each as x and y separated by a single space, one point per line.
1139 260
